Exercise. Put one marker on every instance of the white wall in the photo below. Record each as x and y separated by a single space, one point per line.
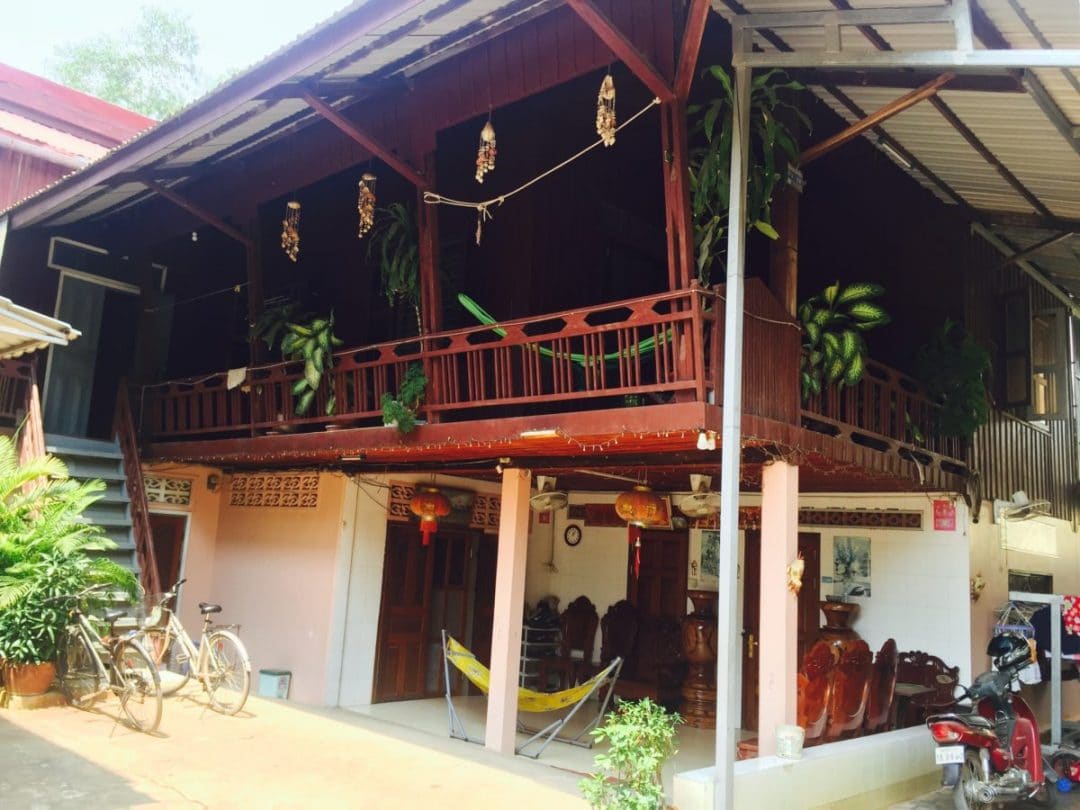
595 568
918 579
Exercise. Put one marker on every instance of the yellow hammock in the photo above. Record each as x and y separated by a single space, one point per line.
529 700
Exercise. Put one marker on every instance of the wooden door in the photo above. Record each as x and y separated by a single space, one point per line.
810 593
659 588
487 549
808 622
70 379
403 617
452 553
167 532
750 630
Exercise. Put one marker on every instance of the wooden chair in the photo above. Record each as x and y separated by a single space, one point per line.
940 680
882 688
814 688
577 626
651 649
851 683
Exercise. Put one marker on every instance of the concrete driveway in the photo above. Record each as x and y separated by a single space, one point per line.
272 755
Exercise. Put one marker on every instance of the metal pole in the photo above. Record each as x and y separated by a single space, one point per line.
727 633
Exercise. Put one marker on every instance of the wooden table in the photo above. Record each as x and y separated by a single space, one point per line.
905 692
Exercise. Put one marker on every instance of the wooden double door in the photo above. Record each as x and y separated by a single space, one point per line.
449 584
809 596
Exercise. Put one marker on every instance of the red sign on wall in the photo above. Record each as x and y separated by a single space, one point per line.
944 516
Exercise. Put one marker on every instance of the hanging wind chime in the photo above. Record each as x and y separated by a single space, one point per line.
605 111
365 203
290 230
485 154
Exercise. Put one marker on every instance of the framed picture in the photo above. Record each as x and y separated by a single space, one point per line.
851 566
710 557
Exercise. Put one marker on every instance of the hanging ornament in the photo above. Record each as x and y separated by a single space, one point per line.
605 111
485 155
290 230
633 537
429 505
365 204
641 507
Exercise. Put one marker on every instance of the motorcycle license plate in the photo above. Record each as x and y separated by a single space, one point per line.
948 754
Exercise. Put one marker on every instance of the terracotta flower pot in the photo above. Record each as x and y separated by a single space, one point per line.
29 679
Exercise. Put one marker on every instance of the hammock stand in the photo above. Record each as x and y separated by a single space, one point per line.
530 700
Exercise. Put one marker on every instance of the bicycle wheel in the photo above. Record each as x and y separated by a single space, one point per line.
140 689
228 671
169 656
78 673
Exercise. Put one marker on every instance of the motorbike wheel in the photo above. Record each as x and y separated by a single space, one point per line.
971 771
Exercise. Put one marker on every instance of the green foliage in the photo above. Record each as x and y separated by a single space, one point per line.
270 327
43 545
394 240
955 368
303 339
149 68
401 409
641 737
834 351
772 146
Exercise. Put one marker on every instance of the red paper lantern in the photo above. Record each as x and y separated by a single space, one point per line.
640 507
429 505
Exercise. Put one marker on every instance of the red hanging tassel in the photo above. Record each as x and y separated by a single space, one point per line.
427 528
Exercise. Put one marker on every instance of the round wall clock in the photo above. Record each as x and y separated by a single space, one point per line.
572 535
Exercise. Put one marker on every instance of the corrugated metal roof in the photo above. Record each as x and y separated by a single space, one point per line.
1012 126
22 330
402 39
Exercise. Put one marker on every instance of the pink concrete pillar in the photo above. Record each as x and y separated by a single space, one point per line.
779 606
509 599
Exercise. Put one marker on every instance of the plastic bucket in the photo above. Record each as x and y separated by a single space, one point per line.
274 683
789 741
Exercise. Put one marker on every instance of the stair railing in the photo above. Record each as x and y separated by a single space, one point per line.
124 429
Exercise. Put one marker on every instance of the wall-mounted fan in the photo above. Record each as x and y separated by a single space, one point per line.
1020 507
547 498
701 502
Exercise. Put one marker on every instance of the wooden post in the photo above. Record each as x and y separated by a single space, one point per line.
255 292
427 221
784 252
778 666
509 598
680 231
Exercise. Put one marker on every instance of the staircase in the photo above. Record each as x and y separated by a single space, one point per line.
92 458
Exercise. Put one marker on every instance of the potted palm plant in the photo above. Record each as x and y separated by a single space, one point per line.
44 541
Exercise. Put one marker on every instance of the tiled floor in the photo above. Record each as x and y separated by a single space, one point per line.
942 800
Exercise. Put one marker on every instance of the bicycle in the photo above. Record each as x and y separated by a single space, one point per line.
222 665
91 665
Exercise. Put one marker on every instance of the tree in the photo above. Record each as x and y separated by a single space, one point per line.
149 68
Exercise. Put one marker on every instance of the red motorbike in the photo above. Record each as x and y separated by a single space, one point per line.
991 754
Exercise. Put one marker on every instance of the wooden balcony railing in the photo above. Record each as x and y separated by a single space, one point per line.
588 358
886 410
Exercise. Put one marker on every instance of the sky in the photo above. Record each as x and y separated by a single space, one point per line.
233 34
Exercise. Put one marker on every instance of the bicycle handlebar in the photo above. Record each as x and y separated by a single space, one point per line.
172 592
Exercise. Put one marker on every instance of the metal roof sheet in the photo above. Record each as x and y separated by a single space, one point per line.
23 330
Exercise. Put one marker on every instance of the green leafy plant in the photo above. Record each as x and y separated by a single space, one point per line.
833 321
954 369
313 345
641 738
270 327
772 146
44 541
395 242
400 410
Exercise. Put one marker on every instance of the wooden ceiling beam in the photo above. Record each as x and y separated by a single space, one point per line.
690 47
623 48
198 212
349 128
910 80
875 118
1013 219
1038 247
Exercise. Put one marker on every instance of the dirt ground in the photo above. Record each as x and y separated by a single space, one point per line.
271 755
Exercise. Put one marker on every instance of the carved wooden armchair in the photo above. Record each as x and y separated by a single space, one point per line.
939 679
851 683
882 688
577 626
